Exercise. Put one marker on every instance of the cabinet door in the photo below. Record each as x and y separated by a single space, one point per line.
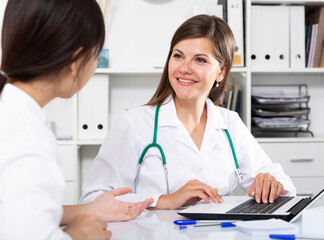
302 159
68 162
308 186
70 195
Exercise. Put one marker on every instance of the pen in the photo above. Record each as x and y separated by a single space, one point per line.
289 236
204 223
222 224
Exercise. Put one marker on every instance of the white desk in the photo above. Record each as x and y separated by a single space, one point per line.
158 225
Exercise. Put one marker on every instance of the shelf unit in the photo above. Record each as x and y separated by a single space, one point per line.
300 157
145 79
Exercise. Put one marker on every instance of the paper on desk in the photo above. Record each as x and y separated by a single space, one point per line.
266 227
133 198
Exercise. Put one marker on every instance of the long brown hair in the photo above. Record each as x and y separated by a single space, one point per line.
222 39
41 37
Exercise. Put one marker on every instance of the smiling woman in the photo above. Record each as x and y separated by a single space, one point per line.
193 139
193 69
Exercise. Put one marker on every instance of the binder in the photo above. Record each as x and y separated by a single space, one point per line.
312 48
308 43
235 21
235 96
263 37
297 37
256 28
93 108
281 22
322 56
268 37
317 17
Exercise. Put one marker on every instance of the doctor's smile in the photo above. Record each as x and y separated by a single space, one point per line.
185 82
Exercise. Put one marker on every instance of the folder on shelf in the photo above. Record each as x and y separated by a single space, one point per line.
93 108
268 37
312 48
308 43
317 17
235 21
264 39
281 32
322 56
297 37
256 28
235 96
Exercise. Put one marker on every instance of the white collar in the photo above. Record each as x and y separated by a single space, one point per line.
168 115
18 97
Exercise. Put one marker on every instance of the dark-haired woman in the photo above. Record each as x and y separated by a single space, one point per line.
49 50
194 135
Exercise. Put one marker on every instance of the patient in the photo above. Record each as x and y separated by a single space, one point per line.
49 50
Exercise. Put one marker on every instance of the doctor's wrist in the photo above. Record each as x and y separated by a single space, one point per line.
164 202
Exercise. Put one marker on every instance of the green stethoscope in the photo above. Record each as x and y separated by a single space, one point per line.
154 144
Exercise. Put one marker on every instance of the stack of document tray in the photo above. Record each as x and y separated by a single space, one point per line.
278 113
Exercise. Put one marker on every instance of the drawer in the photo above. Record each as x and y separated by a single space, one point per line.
298 159
308 186
68 162
70 195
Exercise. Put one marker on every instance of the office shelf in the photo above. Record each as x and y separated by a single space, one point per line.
291 140
290 71
147 71
89 142
290 2
64 142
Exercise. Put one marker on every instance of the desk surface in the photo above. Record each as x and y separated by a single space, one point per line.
158 225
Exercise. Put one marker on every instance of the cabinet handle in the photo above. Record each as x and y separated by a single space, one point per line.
298 160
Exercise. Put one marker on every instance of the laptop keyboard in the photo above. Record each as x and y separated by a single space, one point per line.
251 206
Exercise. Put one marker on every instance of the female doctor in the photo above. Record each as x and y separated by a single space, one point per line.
49 50
199 151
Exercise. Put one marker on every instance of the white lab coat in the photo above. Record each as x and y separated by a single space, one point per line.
115 165
31 180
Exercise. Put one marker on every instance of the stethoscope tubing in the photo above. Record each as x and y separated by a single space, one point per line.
155 144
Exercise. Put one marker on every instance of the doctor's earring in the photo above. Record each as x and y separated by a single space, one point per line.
217 84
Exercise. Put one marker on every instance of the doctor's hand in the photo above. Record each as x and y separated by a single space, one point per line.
192 192
265 187
87 227
106 208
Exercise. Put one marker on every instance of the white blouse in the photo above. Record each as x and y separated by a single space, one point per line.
31 179
115 166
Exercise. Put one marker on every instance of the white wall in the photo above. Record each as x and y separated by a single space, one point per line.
139 31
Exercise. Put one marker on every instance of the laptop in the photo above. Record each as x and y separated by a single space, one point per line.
246 208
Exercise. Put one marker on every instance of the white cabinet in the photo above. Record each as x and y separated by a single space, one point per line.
302 161
301 157
69 162
132 81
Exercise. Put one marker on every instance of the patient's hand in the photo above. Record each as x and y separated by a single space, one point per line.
192 192
86 227
106 208
265 187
